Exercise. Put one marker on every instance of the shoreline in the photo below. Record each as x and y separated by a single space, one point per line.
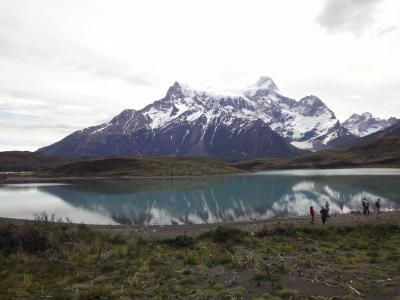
31 177
39 179
153 232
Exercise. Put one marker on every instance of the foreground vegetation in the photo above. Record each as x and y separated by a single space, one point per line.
49 259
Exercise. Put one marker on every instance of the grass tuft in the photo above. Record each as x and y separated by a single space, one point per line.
224 235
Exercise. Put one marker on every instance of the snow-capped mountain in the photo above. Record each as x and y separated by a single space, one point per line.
257 121
365 124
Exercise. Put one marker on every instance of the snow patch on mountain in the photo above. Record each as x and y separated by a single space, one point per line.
256 121
265 83
366 123
300 122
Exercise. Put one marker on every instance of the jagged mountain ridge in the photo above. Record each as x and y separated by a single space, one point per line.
255 122
365 124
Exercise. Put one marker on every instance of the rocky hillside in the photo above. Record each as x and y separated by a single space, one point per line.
365 124
383 152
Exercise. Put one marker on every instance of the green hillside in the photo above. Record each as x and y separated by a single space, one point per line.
148 166
19 161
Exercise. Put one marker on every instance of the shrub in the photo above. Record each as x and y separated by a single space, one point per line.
223 235
33 240
8 241
180 242
27 238
289 230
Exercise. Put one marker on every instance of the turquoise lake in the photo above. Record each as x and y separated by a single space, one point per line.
203 200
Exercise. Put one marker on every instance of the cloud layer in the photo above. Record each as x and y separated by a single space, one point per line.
348 15
71 64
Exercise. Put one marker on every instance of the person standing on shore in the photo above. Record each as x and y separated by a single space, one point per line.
364 206
327 209
324 215
368 208
312 213
378 207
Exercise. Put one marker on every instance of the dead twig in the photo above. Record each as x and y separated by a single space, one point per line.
353 290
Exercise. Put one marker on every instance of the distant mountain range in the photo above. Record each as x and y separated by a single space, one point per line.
379 149
365 124
257 121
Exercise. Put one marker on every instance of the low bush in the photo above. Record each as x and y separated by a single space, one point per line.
180 242
224 235
289 230
29 239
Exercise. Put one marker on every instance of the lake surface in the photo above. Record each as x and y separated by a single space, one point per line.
203 200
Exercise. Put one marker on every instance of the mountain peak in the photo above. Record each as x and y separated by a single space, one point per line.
366 123
358 118
264 83
311 105
312 100
177 90
367 115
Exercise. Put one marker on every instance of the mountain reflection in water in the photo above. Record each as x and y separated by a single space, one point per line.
219 199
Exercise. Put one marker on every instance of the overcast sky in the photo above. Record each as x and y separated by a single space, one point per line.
66 65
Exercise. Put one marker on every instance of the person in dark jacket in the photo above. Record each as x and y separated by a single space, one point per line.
327 207
312 213
364 206
378 207
324 215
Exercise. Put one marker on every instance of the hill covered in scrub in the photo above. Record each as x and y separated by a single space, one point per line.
146 167
20 161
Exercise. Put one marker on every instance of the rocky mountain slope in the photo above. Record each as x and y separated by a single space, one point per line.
257 121
365 124
379 149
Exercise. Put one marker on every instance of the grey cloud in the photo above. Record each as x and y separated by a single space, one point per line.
114 72
63 127
348 15
19 142
30 114
15 47
387 30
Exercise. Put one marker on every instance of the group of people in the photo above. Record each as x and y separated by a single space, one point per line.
324 211
365 207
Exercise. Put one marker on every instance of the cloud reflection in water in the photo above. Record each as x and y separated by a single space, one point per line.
193 201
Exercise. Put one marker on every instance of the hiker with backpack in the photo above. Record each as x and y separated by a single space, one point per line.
324 215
